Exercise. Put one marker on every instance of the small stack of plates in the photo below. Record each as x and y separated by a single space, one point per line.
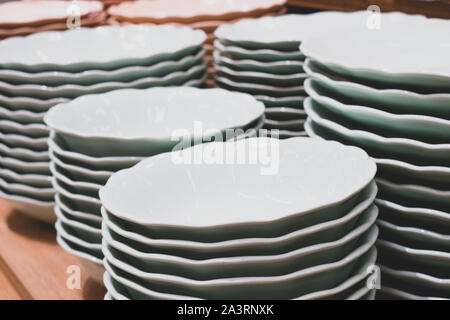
95 135
389 94
297 223
261 57
41 70
197 14
19 18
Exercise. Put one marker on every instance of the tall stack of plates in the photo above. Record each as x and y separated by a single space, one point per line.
261 57
197 14
94 136
19 18
296 222
388 93
41 70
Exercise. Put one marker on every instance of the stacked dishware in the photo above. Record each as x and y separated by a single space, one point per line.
257 218
389 94
197 14
261 57
42 70
96 135
19 18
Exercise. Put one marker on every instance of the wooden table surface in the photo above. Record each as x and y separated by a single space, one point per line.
33 266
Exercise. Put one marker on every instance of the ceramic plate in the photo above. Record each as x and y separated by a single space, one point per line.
273 217
21 116
25 167
111 48
36 130
24 154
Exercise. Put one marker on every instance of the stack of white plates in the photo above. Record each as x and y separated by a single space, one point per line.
298 222
261 57
95 135
44 69
388 93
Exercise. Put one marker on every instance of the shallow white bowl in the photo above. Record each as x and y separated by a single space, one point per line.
30 130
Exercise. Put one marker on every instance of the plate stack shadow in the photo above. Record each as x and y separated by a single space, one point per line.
48 68
384 92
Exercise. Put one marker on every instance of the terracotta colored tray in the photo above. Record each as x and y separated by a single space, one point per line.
33 266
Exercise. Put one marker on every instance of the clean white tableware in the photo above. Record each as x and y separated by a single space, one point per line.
21 116
159 113
399 148
43 194
262 216
286 286
422 128
391 100
31 179
75 229
85 217
29 104
399 294
395 49
322 232
25 167
34 130
81 187
78 202
111 47
21 141
86 77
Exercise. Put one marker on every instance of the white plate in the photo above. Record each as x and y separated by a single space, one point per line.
295 102
54 78
391 100
84 232
158 114
98 163
34 130
431 258
243 246
294 125
286 32
397 148
422 128
36 209
259 89
24 154
393 50
284 113
283 67
283 287
270 199
72 90
21 141
262 77
29 104
432 174
25 167
77 215
43 194
33 180
81 187
110 47
91 204
399 294
22 116
264 55
430 216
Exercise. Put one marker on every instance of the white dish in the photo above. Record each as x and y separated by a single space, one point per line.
263 55
72 90
393 100
422 128
262 77
293 200
35 130
84 232
25 167
418 278
30 104
282 67
24 154
79 252
294 125
81 200
82 187
284 113
283 287
33 180
260 89
432 258
397 148
395 48
85 77
43 194
295 102
158 113
37 209
328 230
399 294
22 116
430 216
429 197
110 47
242 266
93 219
287 31
21 141
99 163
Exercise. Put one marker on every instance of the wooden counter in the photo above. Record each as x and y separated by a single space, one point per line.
33 266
